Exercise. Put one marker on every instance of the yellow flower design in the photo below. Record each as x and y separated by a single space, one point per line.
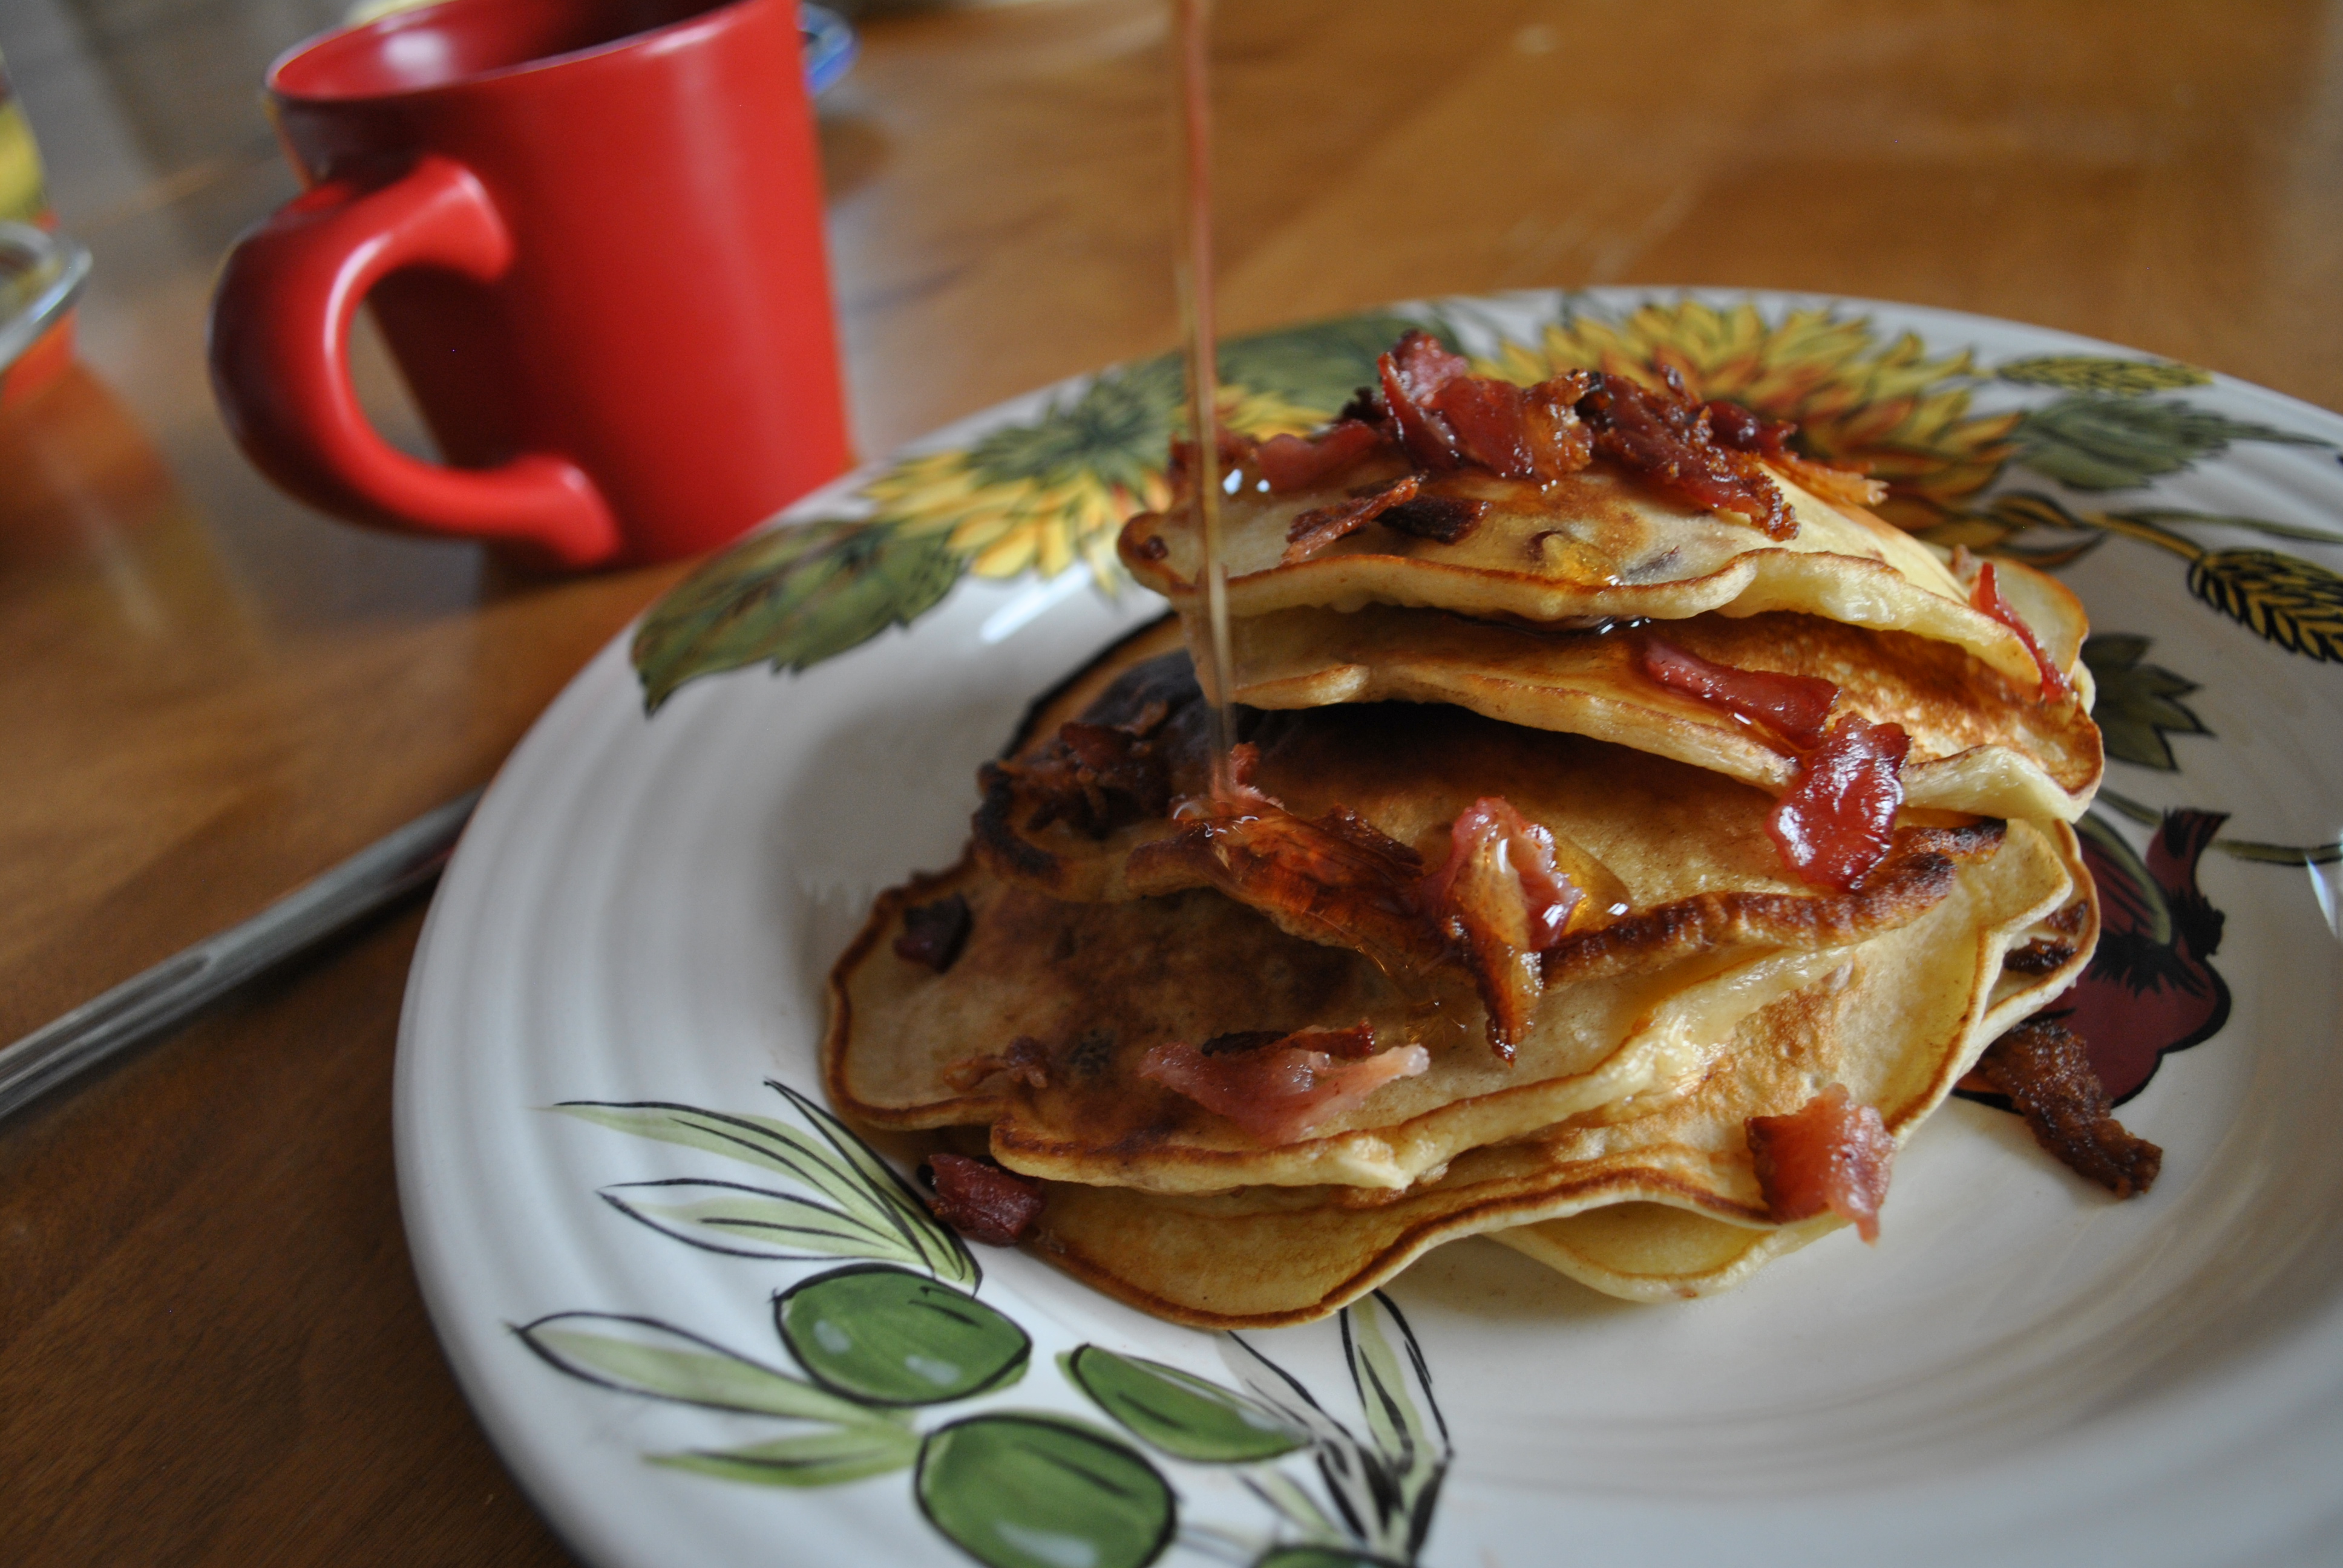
1888 407
1038 496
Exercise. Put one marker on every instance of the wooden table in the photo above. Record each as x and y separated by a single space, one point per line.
211 1346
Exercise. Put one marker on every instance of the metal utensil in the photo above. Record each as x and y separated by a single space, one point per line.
148 1004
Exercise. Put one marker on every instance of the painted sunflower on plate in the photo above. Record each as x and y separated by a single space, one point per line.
1888 407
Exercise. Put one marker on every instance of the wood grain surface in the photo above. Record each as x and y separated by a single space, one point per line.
211 1347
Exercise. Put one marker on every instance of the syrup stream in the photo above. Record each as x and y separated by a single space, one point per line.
1193 272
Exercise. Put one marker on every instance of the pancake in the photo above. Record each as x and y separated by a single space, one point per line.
1980 742
1675 858
1648 1201
1095 986
1602 544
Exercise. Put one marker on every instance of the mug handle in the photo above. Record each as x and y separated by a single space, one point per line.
280 331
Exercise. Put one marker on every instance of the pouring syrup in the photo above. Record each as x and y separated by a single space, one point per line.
1194 275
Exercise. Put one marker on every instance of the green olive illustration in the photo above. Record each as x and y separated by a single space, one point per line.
1181 1413
887 1336
1024 1490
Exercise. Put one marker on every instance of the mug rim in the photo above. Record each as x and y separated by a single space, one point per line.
710 17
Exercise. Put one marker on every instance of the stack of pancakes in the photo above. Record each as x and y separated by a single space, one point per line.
1129 925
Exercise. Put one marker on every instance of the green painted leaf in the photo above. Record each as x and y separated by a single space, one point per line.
1321 1557
830 1161
2166 515
2098 373
889 1337
790 598
1020 1490
645 1356
815 1459
1317 365
1178 1412
2295 603
2115 443
2138 703
752 1222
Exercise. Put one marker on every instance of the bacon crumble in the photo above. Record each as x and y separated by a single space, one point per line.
1837 820
982 1202
1830 1155
2045 1069
1278 1090
1316 528
1501 900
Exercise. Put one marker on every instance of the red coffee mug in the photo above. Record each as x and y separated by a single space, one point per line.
591 233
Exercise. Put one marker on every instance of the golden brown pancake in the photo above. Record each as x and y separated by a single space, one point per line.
1980 742
1096 985
1675 858
1600 545
1647 1206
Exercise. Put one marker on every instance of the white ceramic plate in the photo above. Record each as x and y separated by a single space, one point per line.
2022 1370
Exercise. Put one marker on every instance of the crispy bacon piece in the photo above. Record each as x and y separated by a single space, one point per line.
2045 1068
932 934
1500 899
1280 1089
1027 1060
1318 526
1290 463
1667 439
1415 370
1836 821
1738 428
1831 1155
1985 597
1560 443
1093 777
1794 707
1236 451
1490 422
982 1202
1337 874
1445 519
2039 957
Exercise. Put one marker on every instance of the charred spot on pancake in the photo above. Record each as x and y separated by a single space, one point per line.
2045 1069
1443 519
1090 1057
1153 547
934 933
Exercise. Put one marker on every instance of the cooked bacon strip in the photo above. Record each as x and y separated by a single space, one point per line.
1560 443
1838 818
1425 365
1290 463
1093 777
1500 899
1236 451
1667 439
1337 875
1279 1092
1831 1155
2045 1068
1423 433
982 1202
1318 526
1738 428
1985 596
1794 707
1491 421
2039 957
932 934
1445 519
